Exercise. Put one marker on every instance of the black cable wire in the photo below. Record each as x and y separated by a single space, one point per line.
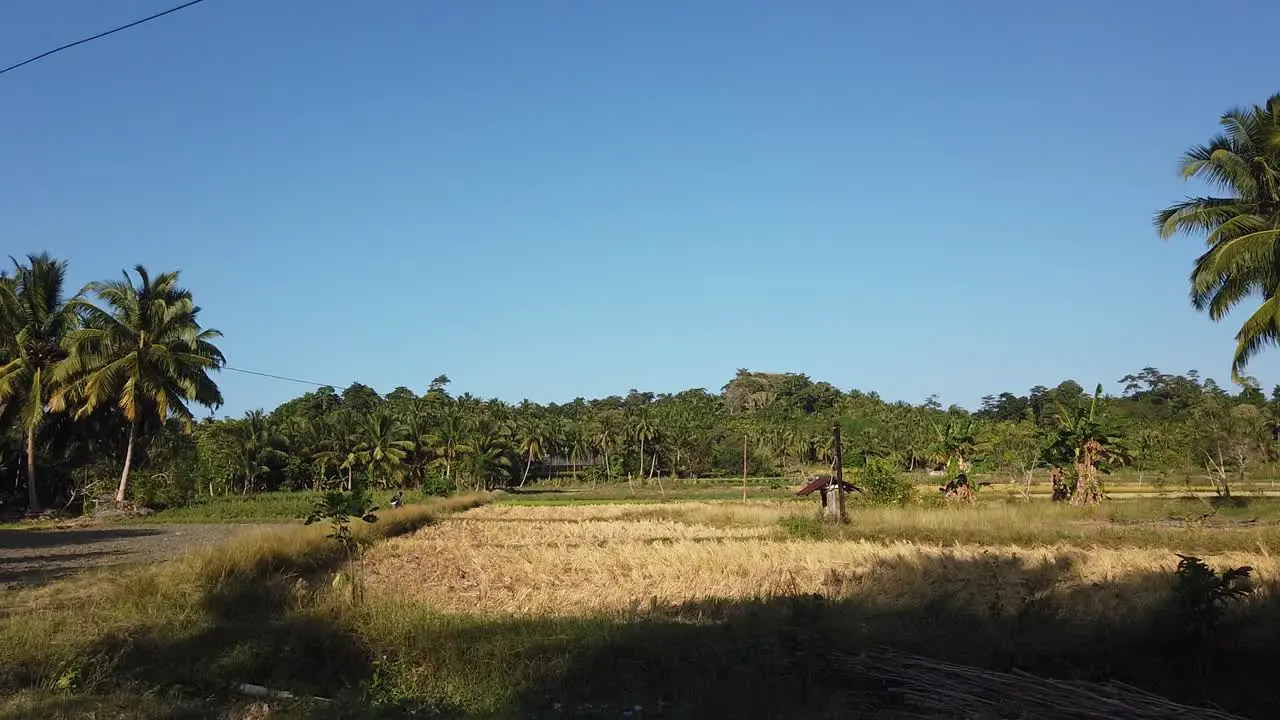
277 377
100 35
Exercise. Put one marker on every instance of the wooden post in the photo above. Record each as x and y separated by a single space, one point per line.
834 510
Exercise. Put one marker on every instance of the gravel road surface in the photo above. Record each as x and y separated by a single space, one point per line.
30 557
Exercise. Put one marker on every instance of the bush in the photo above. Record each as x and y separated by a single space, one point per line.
436 484
161 490
802 527
882 485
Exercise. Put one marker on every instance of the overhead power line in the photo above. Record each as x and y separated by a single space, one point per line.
101 35
279 377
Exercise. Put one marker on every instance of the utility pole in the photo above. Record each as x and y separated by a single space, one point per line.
834 509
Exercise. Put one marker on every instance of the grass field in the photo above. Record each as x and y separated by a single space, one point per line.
625 559
684 608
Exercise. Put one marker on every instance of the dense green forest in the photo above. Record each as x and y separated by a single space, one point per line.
97 390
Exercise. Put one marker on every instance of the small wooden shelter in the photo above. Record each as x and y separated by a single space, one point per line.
826 486
831 487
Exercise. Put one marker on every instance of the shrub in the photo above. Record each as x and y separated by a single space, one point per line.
1202 593
802 527
436 484
881 483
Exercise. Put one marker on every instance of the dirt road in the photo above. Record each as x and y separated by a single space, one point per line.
30 557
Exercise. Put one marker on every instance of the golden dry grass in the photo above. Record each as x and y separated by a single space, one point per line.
720 513
44 627
560 561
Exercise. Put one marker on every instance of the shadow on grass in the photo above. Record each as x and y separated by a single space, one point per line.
784 658
775 658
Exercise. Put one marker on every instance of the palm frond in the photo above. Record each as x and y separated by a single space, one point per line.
1260 330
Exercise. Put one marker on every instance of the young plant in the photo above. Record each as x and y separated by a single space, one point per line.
340 508
1202 593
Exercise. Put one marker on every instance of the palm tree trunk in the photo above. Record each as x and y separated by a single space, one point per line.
128 463
33 500
651 469
527 463
641 473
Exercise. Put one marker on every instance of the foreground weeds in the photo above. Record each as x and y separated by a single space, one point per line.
258 609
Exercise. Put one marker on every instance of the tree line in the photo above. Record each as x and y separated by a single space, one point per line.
757 424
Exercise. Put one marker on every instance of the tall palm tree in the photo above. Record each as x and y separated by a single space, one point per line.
488 455
605 433
420 423
531 441
382 446
257 447
34 321
316 442
643 430
578 445
141 349
1241 226
449 442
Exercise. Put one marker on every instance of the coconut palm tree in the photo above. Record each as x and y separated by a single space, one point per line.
258 446
34 321
141 349
1241 226
606 433
449 442
316 442
578 445
643 430
488 455
531 442
419 422
382 446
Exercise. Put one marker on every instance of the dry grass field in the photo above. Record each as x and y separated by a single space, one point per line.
627 559
708 608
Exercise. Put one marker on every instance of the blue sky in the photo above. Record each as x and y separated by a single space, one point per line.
560 199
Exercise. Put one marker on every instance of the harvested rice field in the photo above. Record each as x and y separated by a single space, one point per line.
625 559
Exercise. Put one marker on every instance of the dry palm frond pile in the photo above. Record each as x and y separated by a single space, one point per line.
931 689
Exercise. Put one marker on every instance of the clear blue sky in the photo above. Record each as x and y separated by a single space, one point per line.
570 198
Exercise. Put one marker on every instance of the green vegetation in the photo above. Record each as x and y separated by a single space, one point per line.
1164 432
1241 227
